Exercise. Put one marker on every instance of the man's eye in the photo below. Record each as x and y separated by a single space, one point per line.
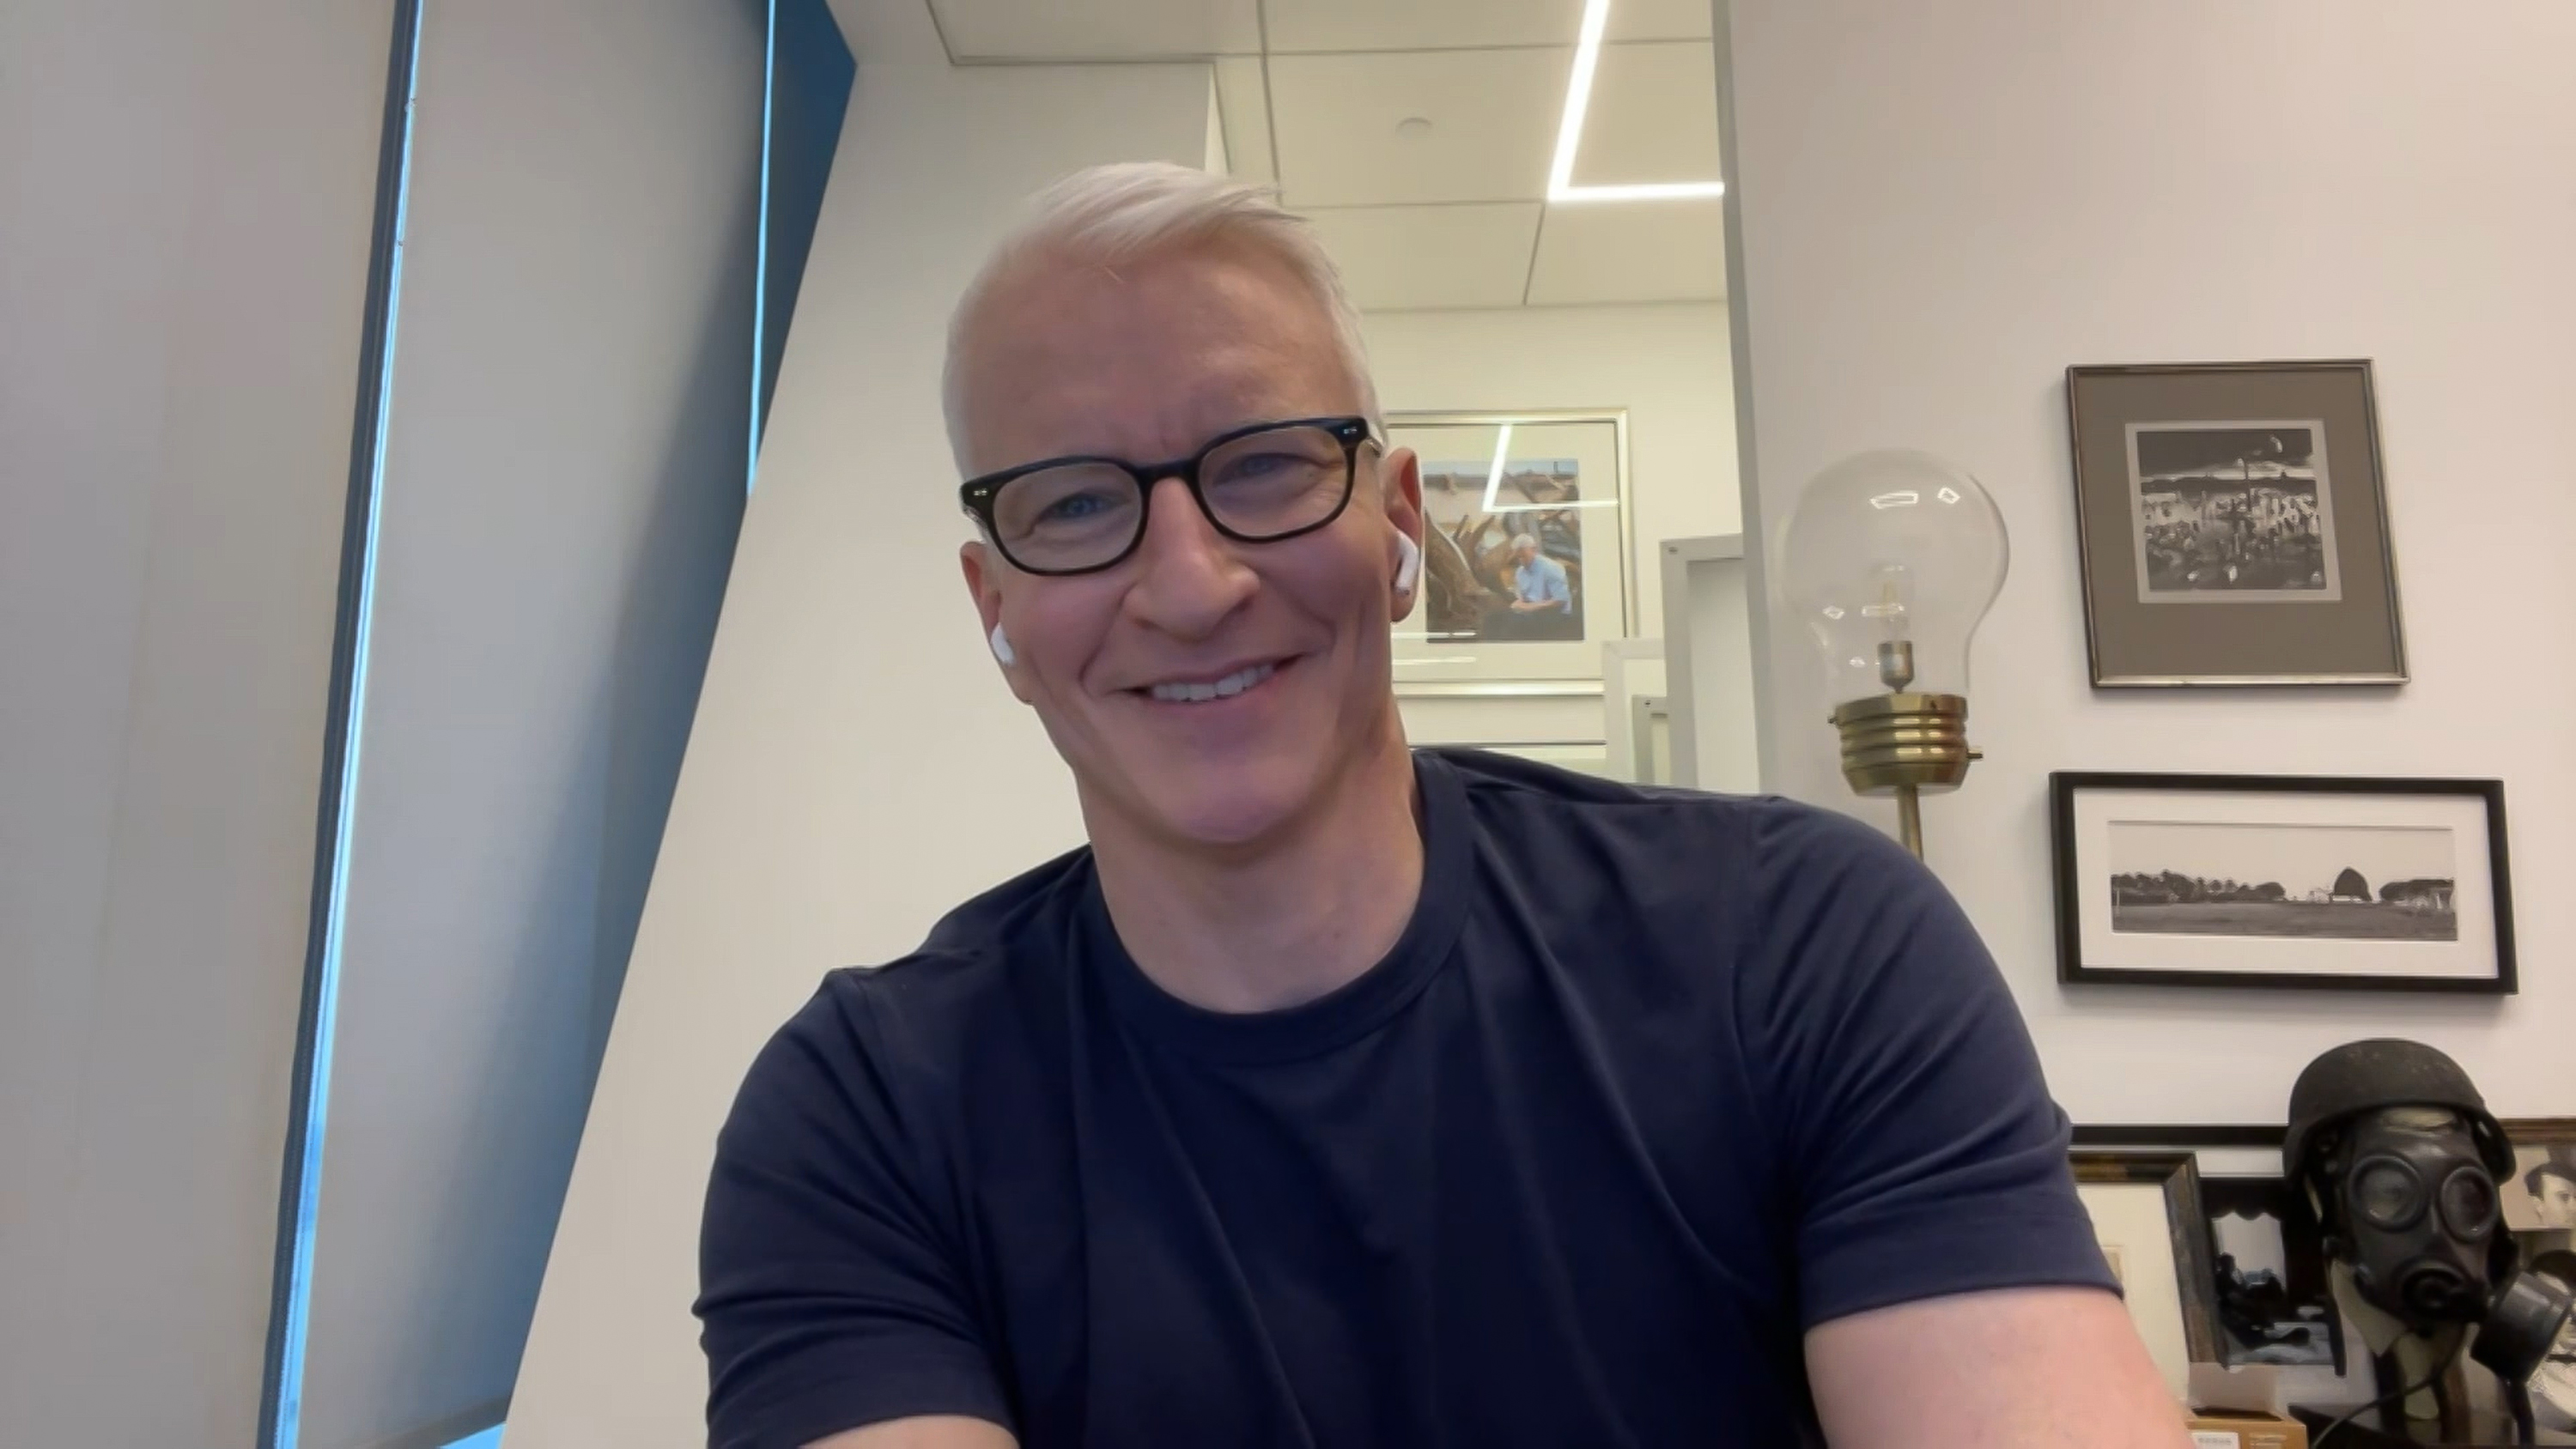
1079 506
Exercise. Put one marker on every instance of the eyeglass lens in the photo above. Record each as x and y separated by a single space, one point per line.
1258 486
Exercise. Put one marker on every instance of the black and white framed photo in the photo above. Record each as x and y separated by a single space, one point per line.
2147 1216
2541 1197
2282 881
2234 525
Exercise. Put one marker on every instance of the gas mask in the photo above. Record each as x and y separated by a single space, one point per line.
2399 1157
2414 1213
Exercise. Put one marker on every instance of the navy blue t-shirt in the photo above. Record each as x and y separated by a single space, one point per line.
1653 1083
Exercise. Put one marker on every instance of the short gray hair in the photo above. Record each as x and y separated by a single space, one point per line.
1119 212
1523 540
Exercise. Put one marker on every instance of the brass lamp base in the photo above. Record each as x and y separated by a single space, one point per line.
1903 744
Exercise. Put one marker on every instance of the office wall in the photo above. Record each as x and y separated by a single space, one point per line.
1944 206
857 766
185 212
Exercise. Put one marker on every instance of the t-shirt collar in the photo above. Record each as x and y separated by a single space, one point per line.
1348 1012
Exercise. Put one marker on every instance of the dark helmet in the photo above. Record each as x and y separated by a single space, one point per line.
2362 1076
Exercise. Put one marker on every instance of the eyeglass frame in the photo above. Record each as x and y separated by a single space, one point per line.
1352 430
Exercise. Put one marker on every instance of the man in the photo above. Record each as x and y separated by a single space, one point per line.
2552 1185
1341 1096
1542 604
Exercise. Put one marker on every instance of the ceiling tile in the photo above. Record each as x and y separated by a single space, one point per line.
1492 116
1097 29
1243 103
1653 116
1431 256
1631 251
1357 25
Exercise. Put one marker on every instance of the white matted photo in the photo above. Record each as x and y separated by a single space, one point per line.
1526 552
2282 881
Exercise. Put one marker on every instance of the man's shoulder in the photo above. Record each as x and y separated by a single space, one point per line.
1744 831
968 997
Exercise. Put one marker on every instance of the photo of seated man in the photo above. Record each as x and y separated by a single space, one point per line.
1542 598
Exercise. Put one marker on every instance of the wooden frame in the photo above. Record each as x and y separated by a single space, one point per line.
2177 1174
2247 1184
2477 958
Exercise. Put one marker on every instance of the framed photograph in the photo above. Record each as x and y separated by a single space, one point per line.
2147 1215
2282 881
2551 1253
2274 1301
2541 1197
1526 567
2234 524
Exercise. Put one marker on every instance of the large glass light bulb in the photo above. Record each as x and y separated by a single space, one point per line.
1891 561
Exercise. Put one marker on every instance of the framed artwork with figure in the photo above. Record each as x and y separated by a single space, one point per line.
2233 519
1526 551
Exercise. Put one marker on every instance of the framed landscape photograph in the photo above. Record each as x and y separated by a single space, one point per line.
2146 1213
1526 549
2234 525
2282 881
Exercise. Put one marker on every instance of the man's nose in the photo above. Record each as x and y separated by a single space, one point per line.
1189 578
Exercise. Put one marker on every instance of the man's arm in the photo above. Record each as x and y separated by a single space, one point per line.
933 1432
2013 1368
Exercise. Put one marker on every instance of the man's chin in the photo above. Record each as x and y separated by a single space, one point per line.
1222 808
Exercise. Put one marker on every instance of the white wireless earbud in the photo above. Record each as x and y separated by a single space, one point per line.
1002 647
1411 569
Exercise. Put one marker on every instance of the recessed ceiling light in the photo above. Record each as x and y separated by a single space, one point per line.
1569 130
1413 128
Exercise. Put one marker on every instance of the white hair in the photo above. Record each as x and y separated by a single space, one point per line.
1523 540
1105 215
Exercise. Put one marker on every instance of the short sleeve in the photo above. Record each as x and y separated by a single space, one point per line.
1923 1152
829 1288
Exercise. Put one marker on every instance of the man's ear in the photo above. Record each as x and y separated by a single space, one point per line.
1400 485
984 584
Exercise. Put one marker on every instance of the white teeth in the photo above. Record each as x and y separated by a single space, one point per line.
1226 688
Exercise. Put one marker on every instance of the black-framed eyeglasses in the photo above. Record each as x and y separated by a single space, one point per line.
1258 484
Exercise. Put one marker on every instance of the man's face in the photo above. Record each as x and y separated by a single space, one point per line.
2557 1201
1148 364
1525 552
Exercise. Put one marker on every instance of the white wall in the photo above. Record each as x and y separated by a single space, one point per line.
1944 206
185 212
857 766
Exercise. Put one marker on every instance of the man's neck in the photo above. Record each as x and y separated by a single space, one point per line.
1287 922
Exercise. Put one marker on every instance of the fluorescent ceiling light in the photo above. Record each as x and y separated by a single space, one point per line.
1494 475
1569 130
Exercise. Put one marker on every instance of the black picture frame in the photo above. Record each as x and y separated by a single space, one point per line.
2293 581
2177 1173
2065 788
